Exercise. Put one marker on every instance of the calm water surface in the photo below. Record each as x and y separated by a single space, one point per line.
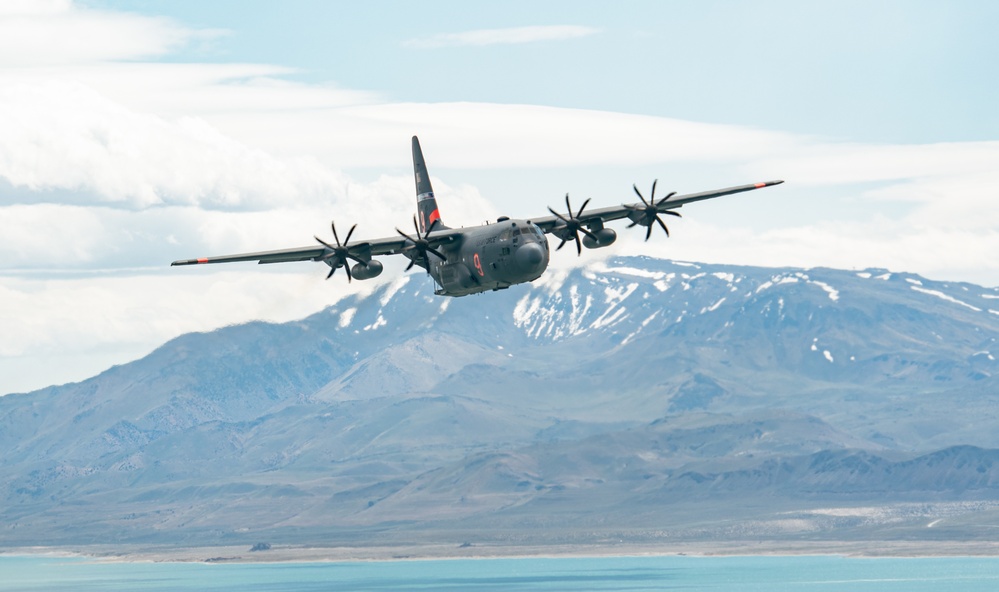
773 574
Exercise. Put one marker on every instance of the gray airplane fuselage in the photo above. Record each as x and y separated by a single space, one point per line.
490 257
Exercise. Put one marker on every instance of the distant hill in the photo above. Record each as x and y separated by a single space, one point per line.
641 399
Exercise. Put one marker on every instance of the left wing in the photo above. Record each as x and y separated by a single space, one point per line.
644 213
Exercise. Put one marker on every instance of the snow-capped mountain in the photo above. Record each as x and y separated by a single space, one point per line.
602 398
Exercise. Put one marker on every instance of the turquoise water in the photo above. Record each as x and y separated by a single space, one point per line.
773 574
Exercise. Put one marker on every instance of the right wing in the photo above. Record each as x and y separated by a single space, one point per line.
362 251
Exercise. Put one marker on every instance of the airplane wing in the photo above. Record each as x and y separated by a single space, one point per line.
367 248
641 213
361 251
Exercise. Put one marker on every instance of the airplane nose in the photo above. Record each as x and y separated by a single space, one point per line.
529 256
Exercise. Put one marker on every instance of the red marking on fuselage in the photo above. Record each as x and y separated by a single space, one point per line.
760 185
478 264
203 260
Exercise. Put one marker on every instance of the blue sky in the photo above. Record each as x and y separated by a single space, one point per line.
134 133
887 71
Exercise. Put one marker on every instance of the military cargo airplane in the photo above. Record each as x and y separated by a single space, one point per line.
493 256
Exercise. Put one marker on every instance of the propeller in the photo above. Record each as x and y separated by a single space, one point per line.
421 245
573 226
339 254
650 212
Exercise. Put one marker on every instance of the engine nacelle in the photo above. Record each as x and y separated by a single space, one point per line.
605 238
361 271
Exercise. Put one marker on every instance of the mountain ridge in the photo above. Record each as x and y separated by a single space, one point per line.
401 414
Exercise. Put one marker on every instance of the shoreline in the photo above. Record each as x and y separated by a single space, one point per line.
437 552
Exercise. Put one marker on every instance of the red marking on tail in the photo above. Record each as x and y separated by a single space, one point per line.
203 260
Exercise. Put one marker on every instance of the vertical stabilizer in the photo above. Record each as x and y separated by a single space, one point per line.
426 203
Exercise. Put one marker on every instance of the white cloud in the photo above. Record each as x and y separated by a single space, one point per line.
507 36
820 163
58 32
62 135
58 329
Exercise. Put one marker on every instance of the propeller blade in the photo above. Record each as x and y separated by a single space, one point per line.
335 237
406 236
652 197
346 268
579 246
349 233
663 224
560 245
635 187
581 208
435 252
663 200
412 262
330 274
671 213
648 232
557 215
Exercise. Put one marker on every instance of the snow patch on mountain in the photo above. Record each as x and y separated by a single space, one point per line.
379 322
392 288
346 317
664 284
602 267
715 306
833 292
943 296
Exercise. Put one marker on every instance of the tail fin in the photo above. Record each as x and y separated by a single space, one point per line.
426 204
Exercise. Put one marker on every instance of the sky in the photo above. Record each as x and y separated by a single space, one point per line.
134 133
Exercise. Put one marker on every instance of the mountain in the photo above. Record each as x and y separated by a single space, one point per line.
636 399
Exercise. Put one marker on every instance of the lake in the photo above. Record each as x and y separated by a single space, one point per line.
769 573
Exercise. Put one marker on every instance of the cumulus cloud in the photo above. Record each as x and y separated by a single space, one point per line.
507 36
